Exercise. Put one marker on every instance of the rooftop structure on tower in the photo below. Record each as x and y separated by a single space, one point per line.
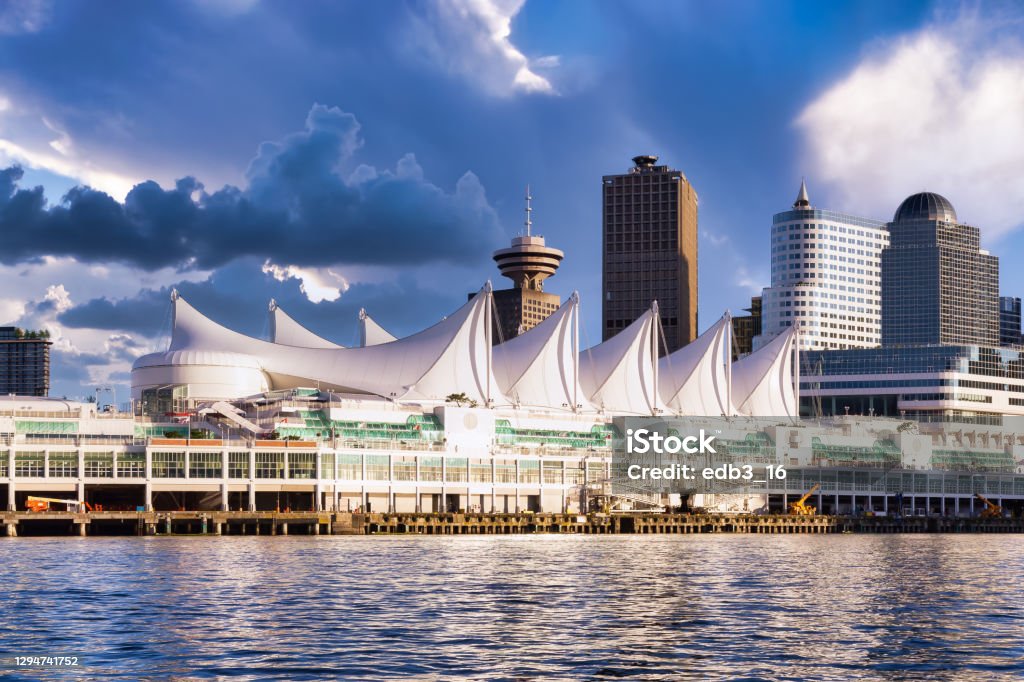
528 262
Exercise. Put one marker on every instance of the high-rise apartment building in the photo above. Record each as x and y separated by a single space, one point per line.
825 276
650 250
527 262
24 362
938 285
1009 321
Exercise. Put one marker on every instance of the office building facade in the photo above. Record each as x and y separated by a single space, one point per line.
1009 321
938 285
745 328
649 236
24 362
825 277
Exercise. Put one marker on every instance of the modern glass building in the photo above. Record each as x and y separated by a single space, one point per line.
943 383
1009 321
825 277
938 285
650 250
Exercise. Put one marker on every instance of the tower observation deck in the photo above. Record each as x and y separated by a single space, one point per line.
529 261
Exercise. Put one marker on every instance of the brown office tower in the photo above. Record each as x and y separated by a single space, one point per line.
650 250
527 262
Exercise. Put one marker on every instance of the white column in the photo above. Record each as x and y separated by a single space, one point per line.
494 482
517 485
224 473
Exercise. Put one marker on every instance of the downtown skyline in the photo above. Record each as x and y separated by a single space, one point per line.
409 159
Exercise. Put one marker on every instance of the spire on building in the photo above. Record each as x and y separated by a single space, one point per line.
802 201
528 223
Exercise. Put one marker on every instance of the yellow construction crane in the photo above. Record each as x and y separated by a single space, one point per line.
991 510
800 507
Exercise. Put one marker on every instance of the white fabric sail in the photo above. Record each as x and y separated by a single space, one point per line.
763 384
694 380
284 329
620 375
453 356
371 333
540 368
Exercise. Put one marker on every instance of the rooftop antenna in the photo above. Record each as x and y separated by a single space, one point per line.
528 223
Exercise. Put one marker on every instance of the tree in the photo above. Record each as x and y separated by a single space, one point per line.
458 398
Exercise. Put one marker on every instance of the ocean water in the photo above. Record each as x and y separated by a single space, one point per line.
516 607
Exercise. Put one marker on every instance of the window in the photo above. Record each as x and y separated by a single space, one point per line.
430 468
456 469
327 465
238 465
350 467
99 464
269 465
29 464
168 465
131 465
529 471
204 465
480 471
301 465
378 468
405 468
63 464
553 473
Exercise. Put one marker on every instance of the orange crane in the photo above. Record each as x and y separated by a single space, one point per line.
800 507
991 510
41 504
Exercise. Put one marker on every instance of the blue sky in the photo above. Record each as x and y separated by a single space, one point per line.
347 155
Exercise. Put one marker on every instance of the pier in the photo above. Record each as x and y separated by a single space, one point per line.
57 523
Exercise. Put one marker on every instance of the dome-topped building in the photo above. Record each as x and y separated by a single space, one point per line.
925 206
938 285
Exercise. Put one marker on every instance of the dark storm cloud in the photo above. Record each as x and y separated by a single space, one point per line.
307 203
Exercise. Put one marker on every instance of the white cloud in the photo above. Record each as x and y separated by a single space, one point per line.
940 110
473 38
23 16
113 184
318 284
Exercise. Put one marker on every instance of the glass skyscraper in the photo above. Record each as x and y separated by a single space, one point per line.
938 285
1009 321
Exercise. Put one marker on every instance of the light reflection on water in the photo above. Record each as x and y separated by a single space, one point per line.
571 607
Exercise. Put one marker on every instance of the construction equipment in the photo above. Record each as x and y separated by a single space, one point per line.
41 504
991 510
800 507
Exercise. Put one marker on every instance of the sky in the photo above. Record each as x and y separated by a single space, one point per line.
338 156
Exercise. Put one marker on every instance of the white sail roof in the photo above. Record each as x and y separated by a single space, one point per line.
453 356
540 367
620 375
763 384
694 380
284 329
371 333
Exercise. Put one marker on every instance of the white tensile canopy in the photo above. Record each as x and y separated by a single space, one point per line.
763 383
371 333
285 330
694 380
620 375
453 356
540 368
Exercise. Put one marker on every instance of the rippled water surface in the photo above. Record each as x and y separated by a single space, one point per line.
531 607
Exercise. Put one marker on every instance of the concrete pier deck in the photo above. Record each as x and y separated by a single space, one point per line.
17 524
